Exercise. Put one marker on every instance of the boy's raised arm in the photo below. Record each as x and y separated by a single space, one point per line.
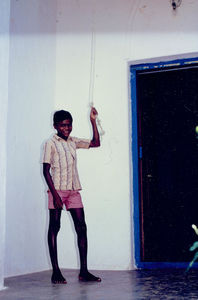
95 142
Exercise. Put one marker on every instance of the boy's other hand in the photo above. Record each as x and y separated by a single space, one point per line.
93 114
57 201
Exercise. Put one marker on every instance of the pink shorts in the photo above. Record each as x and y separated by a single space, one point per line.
71 199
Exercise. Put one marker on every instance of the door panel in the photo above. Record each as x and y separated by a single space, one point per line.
167 112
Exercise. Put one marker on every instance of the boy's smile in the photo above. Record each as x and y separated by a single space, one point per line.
64 128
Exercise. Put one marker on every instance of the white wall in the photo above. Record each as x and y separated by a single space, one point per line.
50 69
31 102
4 61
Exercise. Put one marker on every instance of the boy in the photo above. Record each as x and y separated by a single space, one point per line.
61 175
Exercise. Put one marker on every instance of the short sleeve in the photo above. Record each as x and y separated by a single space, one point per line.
81 143
47 152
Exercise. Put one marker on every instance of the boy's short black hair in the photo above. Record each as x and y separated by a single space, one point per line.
61 115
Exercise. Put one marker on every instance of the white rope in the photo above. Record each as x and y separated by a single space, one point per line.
92 68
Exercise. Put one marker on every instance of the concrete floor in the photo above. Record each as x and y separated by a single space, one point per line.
119 285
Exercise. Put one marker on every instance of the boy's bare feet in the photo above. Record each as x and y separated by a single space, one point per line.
57 278
86 276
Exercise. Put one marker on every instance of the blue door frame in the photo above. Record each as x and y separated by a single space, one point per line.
136 154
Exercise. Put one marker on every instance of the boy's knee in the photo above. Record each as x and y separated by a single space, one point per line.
81 228
55 227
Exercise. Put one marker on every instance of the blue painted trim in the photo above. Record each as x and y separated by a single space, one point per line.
134 145
136 212
172 63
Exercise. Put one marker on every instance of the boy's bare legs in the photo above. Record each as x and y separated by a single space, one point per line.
54 227
81 230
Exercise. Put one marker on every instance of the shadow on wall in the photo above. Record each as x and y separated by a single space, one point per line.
104 16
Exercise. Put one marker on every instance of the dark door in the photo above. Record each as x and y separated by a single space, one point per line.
167 105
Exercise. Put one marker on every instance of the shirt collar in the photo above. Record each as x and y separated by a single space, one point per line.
60 139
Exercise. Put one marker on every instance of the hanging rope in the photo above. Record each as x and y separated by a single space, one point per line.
92 68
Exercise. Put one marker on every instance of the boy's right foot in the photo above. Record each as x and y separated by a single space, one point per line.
57 278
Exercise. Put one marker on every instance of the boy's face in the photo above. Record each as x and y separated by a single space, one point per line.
64 128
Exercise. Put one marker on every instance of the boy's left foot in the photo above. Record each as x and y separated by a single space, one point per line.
85 277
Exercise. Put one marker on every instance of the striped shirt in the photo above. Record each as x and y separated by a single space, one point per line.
61 155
